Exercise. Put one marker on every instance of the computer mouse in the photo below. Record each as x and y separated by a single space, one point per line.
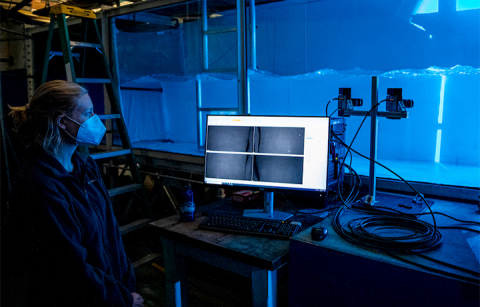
319 233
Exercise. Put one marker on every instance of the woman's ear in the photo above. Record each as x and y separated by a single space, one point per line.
60 121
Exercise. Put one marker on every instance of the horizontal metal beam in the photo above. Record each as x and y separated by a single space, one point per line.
15 32
93 80
109 116
219 31
437 190
218 109
394 115
221 70
44 28
110 154
142 6
141 89
147 17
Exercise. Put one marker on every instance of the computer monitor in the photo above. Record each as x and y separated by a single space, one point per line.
269 153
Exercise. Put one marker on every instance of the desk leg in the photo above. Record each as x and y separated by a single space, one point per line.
264 288
175 275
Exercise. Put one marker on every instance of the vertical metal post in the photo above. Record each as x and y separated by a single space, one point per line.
373 141
268 202
200 124
204 34
198 82
111 41
242 70
253 35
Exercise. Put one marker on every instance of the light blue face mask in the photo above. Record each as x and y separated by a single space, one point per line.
90 132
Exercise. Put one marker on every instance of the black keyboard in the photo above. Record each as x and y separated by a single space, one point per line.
250 225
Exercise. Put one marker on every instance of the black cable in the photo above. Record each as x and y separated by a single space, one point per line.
477 274
326 108
310 213
356 177
377 208
424 237
451 217
418 193
381 210
473 280
334 112
354 185
354 137
421 235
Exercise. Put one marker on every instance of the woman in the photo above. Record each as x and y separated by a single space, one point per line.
61 209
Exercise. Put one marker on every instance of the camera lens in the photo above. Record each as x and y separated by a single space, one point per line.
408 103
357 102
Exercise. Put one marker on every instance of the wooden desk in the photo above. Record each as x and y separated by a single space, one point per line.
334 272
255 257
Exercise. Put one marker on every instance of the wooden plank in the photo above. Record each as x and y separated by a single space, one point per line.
171 197
134 226
145 259
124 189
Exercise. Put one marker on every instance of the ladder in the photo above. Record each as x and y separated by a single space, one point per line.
58 15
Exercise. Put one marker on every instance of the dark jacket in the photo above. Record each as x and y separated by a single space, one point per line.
66 226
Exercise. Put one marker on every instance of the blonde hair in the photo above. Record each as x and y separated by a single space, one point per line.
35 122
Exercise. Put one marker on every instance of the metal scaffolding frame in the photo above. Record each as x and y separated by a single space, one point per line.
243 94
242 64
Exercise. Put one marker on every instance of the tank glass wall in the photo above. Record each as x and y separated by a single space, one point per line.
305 51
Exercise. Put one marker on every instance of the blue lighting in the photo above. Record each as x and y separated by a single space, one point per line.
200 129
442 96
426 6
439 143
463 5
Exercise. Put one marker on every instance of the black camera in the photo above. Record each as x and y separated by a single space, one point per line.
395 101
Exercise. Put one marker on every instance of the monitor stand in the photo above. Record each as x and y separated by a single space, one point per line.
267 212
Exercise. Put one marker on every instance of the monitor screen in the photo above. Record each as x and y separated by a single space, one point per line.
267 152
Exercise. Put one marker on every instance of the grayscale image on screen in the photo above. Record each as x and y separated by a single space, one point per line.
229 166
262 154
279 140
228 138
278 169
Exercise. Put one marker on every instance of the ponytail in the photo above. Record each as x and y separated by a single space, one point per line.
22 123
35 122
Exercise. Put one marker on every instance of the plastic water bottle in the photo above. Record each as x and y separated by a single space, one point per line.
187 208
